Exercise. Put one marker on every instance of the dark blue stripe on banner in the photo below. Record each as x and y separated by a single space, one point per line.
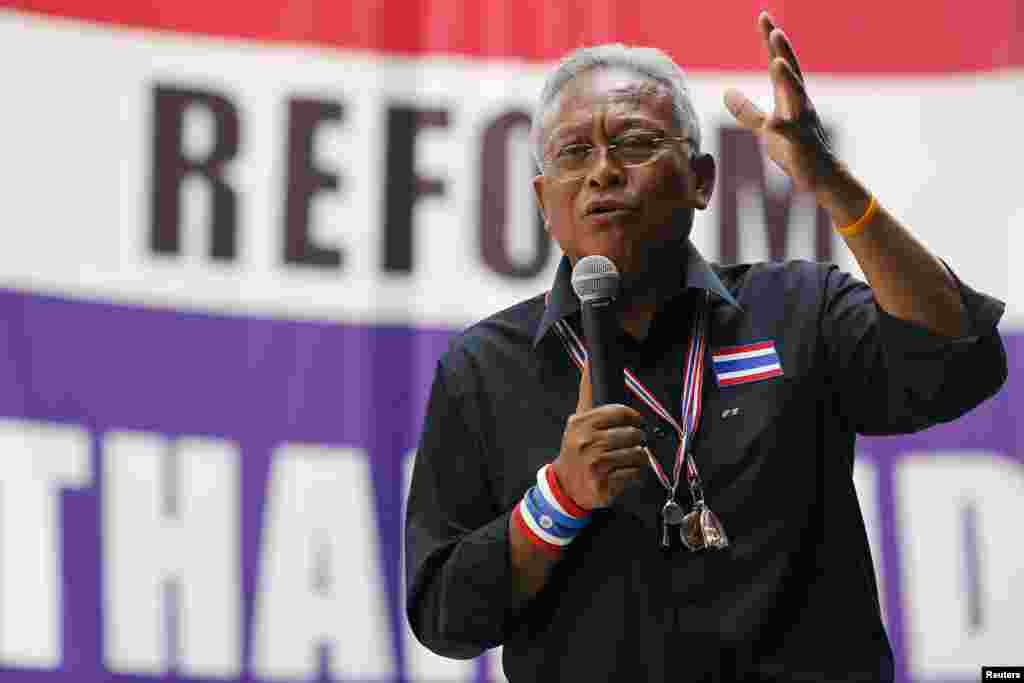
746 363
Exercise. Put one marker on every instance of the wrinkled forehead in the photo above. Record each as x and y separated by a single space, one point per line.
613 93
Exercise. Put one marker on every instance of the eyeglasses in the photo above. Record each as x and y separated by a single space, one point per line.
572 162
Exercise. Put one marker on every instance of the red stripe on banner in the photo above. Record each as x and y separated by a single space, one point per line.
725 350
750 378
872 36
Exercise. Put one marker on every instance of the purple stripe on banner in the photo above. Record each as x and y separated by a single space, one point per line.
991 427
255 381
260 382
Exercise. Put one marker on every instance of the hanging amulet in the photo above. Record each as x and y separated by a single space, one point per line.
712 529
691 533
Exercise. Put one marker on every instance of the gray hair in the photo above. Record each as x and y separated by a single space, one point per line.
649 62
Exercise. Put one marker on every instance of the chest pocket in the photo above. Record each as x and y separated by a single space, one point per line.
741 422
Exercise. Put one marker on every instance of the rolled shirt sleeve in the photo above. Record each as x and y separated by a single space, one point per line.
895 376
461 592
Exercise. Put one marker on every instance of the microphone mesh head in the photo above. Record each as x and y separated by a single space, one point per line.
595 277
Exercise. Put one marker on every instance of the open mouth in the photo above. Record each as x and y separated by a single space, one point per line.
603 206
608 210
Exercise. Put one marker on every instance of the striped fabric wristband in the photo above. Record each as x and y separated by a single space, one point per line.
548 517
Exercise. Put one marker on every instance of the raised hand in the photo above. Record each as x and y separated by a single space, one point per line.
792 133
602 450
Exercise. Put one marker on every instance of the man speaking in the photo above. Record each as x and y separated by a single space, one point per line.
706 526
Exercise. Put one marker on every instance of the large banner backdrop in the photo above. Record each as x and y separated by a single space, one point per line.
237 236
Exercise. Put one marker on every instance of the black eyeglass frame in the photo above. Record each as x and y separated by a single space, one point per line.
568 175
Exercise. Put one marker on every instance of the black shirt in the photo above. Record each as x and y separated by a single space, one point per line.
794 596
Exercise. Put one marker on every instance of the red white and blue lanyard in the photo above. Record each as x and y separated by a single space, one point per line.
693 382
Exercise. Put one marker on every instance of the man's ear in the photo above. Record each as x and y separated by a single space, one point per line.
538 191
703 167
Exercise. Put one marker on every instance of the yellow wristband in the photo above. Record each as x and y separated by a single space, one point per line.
858 225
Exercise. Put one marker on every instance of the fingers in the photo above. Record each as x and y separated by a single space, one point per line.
787 79
766 24
618 438
624 468
627 458
743 110
586 397
778 46
635 457
624 477
615 415
591 471
789 98
781 47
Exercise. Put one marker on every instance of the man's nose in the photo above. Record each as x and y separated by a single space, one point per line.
605 170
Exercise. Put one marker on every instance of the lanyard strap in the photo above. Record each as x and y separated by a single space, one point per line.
693 382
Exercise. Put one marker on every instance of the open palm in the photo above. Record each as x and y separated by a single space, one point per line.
792 133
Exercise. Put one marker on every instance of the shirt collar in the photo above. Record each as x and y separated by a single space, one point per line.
563 301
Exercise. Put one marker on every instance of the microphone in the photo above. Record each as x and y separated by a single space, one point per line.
596 282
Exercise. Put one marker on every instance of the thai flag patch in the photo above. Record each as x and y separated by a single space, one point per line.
746 363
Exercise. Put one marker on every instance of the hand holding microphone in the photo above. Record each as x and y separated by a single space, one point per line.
602 447
596 282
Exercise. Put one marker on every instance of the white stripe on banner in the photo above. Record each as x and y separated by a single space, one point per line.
79 158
